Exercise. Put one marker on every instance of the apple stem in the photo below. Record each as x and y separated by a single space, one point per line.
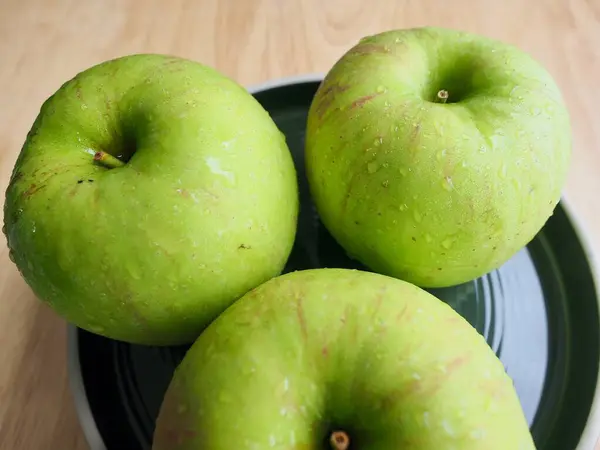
108 160
339 440
442 96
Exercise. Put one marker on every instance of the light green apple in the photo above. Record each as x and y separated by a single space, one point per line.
336 358
434 155
151 192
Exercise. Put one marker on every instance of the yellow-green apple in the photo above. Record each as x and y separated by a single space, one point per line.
434 155
151 192
337 358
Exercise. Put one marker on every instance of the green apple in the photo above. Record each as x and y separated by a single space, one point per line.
434 155
344 359
151 192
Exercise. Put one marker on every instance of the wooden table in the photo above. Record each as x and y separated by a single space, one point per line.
45 42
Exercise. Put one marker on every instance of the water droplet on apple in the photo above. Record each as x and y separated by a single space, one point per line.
482 149
403 207
33 228
133 273
372 167
447 243
491 405
464 164
403 171
448 184
428 238
417 216
11 255
385 165
378 141
502 173
447 427
535 111
385 183
380 89
441 154
84 106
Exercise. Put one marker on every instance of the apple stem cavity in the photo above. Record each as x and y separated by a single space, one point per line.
442 96
339 440
108 160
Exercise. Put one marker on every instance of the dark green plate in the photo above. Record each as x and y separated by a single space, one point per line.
539 312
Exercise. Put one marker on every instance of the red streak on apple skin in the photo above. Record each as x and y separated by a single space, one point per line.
362 100
351 185
301 318
77 86
32 190
454 320
378 300
402 314
458 362
497 389
327 97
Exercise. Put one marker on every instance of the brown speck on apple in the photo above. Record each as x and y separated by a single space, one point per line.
362 100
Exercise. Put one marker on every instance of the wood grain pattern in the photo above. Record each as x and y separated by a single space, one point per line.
45 42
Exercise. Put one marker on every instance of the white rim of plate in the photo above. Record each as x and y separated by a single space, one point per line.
590 436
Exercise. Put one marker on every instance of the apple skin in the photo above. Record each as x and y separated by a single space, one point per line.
323 350
436 194
150 252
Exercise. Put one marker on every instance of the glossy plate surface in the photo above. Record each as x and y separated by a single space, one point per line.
539 312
